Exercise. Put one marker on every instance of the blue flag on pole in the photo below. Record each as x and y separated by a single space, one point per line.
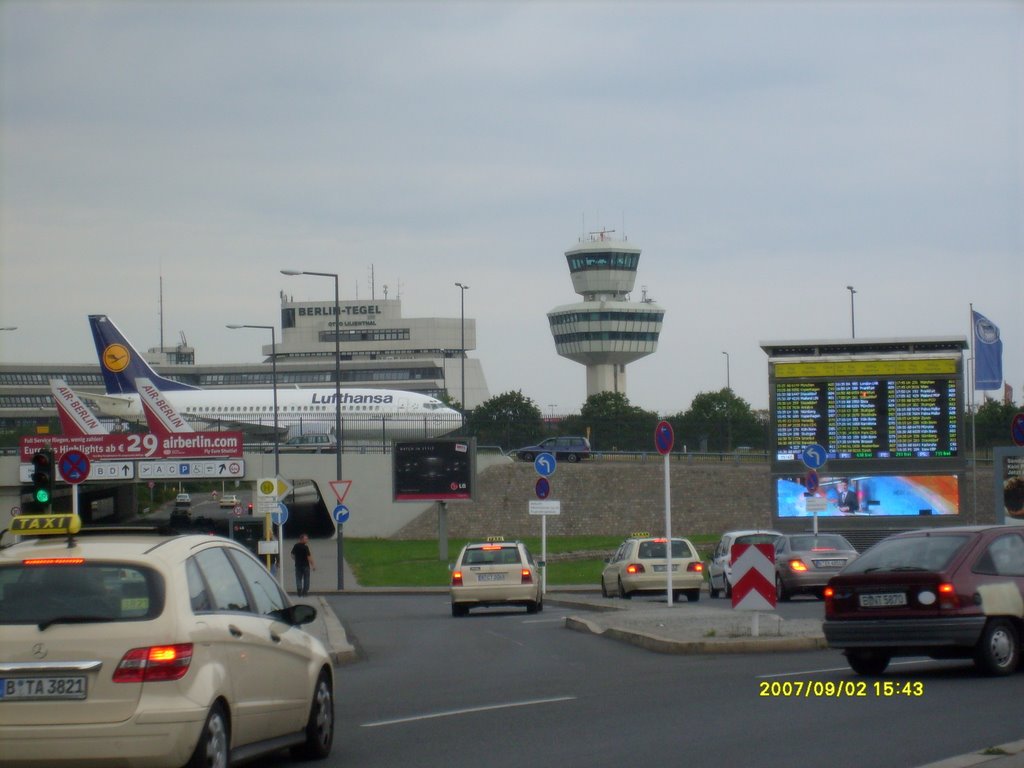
988 353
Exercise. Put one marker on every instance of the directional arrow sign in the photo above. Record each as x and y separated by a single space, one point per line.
545 464
814 456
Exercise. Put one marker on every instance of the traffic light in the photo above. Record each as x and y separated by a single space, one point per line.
43 478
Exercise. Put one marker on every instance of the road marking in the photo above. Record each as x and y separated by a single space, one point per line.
837 669
467 711
559 620
505 637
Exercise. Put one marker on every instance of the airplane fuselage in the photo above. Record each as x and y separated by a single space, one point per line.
364 412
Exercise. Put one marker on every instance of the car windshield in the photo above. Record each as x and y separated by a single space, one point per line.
757 538
913 553
74 592
492 556
650 550
820 543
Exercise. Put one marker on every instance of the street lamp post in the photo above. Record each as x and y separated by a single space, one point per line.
462 322
853 331
337 400
273 365
728 384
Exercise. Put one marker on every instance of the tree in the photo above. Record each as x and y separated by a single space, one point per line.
991 425
510 420
614 424
719 421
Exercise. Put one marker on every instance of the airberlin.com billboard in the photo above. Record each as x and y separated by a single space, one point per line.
118 447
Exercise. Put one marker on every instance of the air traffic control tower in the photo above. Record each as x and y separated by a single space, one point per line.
605 331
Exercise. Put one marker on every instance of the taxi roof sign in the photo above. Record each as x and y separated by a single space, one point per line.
46 525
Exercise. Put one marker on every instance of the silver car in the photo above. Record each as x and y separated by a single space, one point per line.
804 562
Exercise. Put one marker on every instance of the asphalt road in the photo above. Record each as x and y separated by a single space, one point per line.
503 688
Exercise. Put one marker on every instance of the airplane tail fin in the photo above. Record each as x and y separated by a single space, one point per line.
121 364
76 418
162 417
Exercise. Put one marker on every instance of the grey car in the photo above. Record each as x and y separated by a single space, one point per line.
804 562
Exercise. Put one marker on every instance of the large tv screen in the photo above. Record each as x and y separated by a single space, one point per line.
898 409
870 495
433 470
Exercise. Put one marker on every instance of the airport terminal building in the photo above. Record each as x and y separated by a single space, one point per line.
379 348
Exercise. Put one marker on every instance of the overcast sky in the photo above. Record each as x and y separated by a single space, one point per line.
763 155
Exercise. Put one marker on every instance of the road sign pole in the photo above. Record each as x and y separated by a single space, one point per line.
668 532
544 554
341 556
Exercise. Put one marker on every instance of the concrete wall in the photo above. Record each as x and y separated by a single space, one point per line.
607 498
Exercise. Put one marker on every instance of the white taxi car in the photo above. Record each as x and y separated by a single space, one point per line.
229 500
639 566
138 649
495 573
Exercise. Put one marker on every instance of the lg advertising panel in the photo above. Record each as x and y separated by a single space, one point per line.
441 469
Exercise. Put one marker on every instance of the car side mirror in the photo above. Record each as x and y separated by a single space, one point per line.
296 615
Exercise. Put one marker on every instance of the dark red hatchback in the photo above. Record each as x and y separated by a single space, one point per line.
945 593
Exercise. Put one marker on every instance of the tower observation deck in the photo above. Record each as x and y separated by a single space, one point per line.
606 330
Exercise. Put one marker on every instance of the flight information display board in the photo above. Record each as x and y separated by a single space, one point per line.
867 409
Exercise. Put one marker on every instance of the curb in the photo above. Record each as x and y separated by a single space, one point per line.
660 644
339 648
1003 755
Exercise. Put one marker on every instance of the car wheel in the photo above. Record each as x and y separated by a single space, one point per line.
320 725
712 592
998 649
867 663
526 456
604 589
459 610
727 589
535 607
214 747
780 591
693 595
572 458
622 591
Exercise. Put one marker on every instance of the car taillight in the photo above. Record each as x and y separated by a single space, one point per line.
828 593
797 565
154 664
456 578
947 597
635 568
527 576
697 567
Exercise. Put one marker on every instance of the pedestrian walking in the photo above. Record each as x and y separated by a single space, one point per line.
303 558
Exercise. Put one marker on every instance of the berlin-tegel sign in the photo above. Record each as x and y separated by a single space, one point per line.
117 447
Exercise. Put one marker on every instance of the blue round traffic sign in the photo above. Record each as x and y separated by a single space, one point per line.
543 488
74 466
1017 429
340 514
814 456
545 464
280 516
664 438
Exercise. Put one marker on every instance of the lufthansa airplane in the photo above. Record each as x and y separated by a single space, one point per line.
365 413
